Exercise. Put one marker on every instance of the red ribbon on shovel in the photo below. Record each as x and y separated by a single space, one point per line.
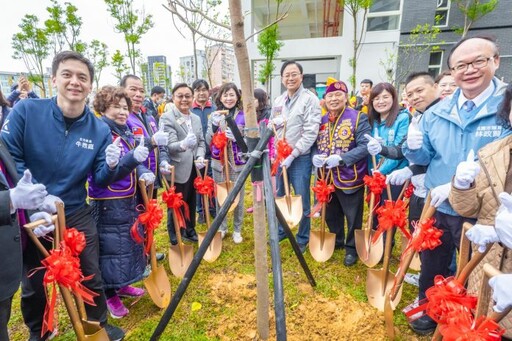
283 150
483 329
376 185
392 214
175 202
323 192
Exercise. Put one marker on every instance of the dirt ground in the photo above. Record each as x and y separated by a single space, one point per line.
316 318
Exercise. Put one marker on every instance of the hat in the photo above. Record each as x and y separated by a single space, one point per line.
337 86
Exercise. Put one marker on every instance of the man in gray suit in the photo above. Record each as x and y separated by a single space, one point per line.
185 148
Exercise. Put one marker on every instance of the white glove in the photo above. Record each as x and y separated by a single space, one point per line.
399 177
503 222
229 135
165 168
42 230
199 162
374 146
482 235
440 194
48 204
502 295
27 195
216 118
288 161
148 177
141 153
160 138
466 172
319 160
333 161
189 142
414 136
277 121
113 153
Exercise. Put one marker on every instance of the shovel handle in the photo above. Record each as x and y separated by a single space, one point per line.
404 188
400 275
226 167
32 225
143 192
285 181
388 191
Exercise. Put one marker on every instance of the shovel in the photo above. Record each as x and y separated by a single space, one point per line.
321 243
180 255
369 253
157 283
223 188
290 205
215 248
484 294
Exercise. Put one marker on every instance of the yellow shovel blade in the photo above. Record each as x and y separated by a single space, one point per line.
293 213
321 252
158 286
377 289
215 248
222 194
416 262
369 253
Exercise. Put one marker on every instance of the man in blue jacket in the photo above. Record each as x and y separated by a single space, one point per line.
61 141
444 137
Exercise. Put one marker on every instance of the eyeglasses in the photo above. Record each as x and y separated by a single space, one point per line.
476 64
291 75
180 97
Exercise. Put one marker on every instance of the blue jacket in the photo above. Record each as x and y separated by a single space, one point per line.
446 141
204 114
392 136
14 96
36 136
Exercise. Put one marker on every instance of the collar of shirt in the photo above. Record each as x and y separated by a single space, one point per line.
478 100
289 100
197 105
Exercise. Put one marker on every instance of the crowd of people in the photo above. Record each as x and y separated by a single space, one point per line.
58 150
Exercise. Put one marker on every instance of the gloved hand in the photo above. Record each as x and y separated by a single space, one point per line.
319 160
113 153
374 146
288 161
42 229
216 118
466 172
440 194
399 177
49 204
160 138
189 142
199 162
229 135
148 177
165 168
482 235
414 136
333 161
141 153
503 221
277 122
27 195
502 295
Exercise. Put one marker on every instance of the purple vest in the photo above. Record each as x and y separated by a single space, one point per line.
134 123
338 138
236 152
120 189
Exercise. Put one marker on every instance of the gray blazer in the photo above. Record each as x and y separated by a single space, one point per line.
172 122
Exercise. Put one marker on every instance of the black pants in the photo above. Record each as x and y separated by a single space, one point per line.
437 261
199 197
345 205
33 298
189 196
415 207
5 315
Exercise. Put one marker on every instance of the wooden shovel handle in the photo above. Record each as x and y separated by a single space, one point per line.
143 192
285 181
404 188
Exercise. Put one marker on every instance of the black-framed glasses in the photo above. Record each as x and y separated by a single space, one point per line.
478 63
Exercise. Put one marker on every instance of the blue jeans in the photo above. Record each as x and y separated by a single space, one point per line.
299 176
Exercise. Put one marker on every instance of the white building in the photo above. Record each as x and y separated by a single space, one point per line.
186 69
221 64
319 35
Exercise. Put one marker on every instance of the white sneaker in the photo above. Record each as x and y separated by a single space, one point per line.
223 234
413 279
237 237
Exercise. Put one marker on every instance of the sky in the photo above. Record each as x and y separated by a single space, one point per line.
162 39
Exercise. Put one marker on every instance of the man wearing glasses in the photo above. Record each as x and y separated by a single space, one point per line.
299 110
443 139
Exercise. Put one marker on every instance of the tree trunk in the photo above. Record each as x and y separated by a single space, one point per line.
354 57
194 43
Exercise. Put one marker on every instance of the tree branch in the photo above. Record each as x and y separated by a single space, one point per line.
195 10
269 25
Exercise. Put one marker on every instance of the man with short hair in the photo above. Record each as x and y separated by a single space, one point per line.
151 104
62 143
360 102
446 134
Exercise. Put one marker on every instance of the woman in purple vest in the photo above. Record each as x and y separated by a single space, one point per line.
228 98
342 150
122 260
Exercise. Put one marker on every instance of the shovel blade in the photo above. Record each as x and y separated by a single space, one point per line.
321 252
377 288
222 194
158 286
215 248
292 214
388 318
92 333
178 263
369 253
416 262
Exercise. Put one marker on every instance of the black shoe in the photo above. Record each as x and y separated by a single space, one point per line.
350 260
114 333
190 239
160 256
46 337
200 218
339 246
424 325
302 247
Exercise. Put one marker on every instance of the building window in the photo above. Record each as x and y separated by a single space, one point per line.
442 12
435 63
384 15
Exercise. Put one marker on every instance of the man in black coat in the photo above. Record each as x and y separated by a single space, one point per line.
24 196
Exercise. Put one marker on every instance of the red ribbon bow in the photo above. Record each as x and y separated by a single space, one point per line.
391 214
483 329
151 220
283 150
220 141
425 236
376 185
409 191
204 186
74 240
323 193
175 202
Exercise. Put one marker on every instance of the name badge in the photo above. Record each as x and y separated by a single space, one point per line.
180 120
